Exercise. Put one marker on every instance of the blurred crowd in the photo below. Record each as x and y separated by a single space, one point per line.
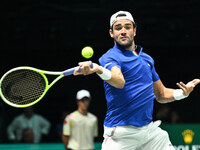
31 127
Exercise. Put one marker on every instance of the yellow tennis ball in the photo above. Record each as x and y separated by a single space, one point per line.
87 52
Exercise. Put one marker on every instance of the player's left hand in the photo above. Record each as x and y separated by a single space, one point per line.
189 87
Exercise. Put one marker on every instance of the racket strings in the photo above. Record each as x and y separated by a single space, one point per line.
23 86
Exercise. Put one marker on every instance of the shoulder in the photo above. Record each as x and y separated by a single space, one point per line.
38 116
111 58
147 57
19 117
92 116
72 115
112 53
109 53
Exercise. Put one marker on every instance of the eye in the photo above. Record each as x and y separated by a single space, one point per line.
128 27
118 27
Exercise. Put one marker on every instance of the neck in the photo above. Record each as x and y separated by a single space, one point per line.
130 47
83 112
28 116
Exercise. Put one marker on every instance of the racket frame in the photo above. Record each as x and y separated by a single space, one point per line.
47 85
43 73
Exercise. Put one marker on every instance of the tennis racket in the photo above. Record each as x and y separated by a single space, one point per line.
25 86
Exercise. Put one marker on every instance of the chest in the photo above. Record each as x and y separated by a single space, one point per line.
27 123
137 68
82 122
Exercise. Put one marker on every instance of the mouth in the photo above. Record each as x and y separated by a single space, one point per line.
123 38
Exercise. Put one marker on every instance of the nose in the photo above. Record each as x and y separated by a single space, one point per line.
123 31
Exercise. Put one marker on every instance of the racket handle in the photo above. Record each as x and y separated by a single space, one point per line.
71 71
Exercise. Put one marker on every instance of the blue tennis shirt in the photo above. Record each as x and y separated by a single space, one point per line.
132 105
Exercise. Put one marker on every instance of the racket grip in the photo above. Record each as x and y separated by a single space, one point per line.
71 71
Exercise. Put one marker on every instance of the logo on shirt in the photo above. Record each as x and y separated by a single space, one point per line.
107 64
65 122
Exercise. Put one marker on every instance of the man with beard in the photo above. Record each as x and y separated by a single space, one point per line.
131 84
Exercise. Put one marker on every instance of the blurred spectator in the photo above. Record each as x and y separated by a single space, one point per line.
2 122
163 114
167 115
80 127
175 118
28 120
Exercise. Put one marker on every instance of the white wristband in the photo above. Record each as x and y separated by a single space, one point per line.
106 75
178 94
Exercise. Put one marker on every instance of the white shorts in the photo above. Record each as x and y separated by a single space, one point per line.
149 137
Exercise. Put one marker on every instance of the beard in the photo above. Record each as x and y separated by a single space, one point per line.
124 46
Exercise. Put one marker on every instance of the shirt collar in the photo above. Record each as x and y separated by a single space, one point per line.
138 49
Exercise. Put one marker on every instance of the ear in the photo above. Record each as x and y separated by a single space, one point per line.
111 33
134 31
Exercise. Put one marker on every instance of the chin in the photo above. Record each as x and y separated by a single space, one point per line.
125 44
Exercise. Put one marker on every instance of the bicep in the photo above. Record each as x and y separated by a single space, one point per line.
158 88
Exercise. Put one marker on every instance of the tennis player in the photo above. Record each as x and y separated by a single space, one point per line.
131 84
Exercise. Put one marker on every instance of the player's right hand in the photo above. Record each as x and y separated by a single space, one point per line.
86 68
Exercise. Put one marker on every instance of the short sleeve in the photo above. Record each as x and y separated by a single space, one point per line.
108 62
155 75
67 126
96 128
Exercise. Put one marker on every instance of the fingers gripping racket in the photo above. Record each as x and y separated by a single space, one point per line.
24 86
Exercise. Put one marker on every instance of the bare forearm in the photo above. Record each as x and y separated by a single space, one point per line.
166 96
163 94
114 76
117 79
65 140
